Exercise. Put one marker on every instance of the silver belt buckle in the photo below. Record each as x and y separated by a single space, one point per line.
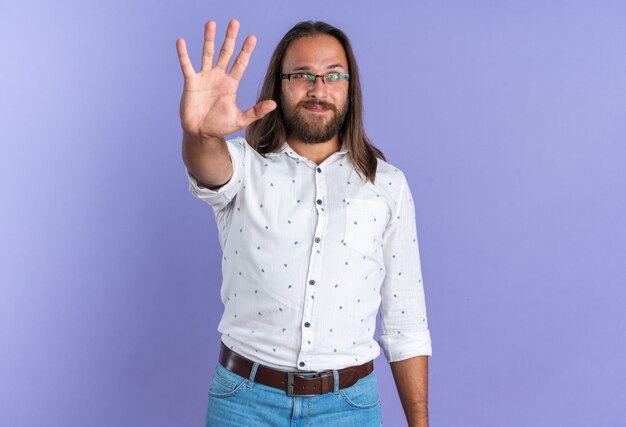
290 391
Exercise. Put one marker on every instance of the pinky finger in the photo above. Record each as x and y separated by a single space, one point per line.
183 57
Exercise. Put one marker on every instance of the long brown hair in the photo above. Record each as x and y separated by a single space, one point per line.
268 134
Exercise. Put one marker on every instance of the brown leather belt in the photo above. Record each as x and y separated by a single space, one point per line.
293 382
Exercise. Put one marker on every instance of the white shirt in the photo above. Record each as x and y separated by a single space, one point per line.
310 254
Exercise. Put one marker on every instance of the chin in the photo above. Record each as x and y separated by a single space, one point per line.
316 119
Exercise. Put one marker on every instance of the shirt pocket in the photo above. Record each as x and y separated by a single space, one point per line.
365 224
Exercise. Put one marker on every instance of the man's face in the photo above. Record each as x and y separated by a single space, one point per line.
314 112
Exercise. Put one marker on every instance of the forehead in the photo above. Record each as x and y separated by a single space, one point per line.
316 52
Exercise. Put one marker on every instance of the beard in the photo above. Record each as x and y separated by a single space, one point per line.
313 128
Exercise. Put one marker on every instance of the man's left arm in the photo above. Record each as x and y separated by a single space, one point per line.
405 337
411 377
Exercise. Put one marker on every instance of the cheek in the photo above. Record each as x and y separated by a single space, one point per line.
285 95
341 99
290 96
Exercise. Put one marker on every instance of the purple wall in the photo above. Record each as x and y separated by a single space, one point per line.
508 119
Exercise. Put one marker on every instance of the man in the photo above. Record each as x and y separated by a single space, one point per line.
317 232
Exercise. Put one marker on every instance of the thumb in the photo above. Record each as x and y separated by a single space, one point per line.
257 112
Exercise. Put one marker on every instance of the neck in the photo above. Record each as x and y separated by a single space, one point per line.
318 152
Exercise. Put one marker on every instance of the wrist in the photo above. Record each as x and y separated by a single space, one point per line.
205 141
417 415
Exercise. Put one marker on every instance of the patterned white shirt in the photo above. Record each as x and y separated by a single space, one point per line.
310 254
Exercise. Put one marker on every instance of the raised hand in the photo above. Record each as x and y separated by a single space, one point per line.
208 107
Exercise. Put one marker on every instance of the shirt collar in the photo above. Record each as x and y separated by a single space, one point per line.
285 148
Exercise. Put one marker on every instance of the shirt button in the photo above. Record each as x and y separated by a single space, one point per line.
311 282
317 240
307 324
319 201
319 170
301 363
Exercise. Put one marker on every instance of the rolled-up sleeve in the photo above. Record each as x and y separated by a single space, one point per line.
220 197
404 327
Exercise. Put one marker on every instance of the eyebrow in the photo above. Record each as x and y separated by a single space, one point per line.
308 67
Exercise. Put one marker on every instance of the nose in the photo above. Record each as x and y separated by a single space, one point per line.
317 88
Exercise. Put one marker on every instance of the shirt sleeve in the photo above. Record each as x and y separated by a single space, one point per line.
404 327
222 196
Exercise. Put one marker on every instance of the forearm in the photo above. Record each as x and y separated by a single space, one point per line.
411 378
207 160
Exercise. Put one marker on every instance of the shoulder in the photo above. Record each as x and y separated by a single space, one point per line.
389 176
240 143
391 184
247 152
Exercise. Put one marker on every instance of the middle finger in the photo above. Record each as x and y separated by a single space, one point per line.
229 45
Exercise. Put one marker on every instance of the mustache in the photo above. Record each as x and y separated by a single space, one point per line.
314 103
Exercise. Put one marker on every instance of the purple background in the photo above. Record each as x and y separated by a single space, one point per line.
508 119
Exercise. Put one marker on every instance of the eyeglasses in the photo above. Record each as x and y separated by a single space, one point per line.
306 78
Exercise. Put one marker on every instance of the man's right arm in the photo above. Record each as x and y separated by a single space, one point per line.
208 110
207 160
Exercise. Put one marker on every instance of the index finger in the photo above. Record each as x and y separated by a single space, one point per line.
241 62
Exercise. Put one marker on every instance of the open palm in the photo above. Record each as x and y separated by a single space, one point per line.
208 107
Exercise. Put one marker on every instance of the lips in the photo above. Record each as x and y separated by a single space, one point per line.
318 107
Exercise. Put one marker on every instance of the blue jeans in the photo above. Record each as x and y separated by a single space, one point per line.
238 401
